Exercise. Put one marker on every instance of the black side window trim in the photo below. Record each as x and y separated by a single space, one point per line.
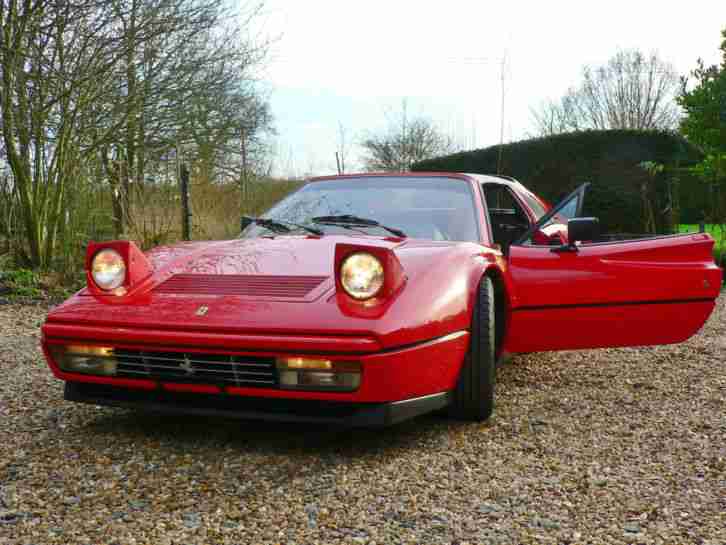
580 191
629 240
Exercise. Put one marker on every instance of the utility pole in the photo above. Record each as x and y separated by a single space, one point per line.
501 126
342 149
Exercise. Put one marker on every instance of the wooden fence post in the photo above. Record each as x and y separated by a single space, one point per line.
186 212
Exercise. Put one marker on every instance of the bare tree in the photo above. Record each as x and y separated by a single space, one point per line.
191 86
631 91
405 142
53 54
113 83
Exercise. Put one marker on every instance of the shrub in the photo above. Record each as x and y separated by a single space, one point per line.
21 282
611 160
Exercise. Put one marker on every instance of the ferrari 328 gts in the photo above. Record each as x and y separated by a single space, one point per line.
368 299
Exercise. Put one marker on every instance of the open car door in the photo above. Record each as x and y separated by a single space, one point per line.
591 294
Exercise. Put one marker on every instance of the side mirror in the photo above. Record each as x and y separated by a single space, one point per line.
579 230
582 229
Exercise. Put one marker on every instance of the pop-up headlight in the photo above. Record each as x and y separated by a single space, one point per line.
108 269
361 275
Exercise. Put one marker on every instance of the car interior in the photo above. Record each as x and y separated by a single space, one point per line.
440 224
507 218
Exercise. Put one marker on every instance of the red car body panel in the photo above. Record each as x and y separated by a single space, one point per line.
394 322
280 296
386 375
651 291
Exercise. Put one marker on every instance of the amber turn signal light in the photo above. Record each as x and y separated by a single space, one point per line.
303 373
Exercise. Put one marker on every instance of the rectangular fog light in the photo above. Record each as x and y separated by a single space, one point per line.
301 373
89 360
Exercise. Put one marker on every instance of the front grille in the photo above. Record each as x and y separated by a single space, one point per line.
192 368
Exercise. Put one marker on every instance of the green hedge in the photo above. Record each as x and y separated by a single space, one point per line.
553 166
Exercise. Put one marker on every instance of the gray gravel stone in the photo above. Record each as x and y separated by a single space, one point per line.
610 446
8 517
632 528
545 523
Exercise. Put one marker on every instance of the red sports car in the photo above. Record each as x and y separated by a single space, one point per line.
370 299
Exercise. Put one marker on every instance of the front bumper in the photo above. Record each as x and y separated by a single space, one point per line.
329 413
395 384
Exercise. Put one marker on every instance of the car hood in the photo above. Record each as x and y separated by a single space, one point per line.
297 256
285 255
286 284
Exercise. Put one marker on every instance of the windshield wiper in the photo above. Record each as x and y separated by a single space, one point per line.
355 221
281 226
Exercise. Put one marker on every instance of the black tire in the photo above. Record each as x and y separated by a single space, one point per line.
474 393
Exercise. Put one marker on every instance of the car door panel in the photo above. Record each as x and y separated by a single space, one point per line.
540 330
651 291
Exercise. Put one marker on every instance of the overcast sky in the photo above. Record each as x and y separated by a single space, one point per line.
351 63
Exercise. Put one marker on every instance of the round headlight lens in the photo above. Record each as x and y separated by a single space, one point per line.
361 275
108 269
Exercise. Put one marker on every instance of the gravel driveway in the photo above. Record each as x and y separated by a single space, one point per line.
611 446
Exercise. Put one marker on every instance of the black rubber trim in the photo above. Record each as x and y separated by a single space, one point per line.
330 413
621 304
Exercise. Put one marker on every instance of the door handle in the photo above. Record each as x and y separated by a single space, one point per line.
564 249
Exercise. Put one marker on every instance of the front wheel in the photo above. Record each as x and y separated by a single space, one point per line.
474 393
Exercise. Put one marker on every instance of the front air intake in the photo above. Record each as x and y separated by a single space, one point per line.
277 287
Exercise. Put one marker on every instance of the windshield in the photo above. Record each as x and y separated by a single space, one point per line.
430 208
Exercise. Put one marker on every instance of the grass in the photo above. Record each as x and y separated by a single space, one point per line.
155 219
27 284
716 231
